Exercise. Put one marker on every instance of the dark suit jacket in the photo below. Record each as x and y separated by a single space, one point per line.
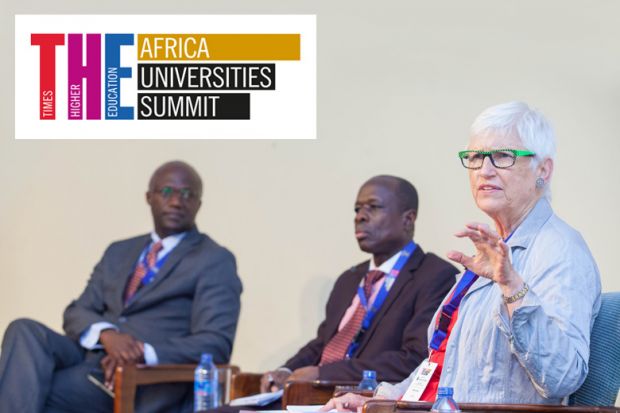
192 305
396 341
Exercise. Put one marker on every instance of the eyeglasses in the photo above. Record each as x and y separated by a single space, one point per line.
500 158
185 194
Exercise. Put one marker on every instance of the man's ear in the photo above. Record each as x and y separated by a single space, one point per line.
148 197
409 217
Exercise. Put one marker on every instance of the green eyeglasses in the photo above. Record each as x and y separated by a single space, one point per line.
500 158
185 194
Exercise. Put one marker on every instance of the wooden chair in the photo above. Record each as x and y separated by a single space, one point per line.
244 384
310 392
391 406
295 392
128 378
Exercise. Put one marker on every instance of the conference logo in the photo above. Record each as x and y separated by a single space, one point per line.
118 77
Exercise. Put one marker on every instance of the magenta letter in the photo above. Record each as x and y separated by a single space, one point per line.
91 72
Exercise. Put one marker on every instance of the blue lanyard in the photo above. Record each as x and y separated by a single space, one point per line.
441 331
445 316
151 271
372 310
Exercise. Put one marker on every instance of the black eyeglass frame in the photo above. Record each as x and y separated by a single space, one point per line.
168 192
515 154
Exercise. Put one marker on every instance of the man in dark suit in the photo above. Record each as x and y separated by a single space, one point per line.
393 343
165 297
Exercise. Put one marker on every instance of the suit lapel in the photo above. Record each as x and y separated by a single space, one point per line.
185 246
405 276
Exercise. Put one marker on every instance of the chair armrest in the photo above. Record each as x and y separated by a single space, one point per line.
386 406
127 378
310 392
244 384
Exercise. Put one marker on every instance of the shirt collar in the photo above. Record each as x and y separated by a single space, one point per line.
387 266
534 220
169 242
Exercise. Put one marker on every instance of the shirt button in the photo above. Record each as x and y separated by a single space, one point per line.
122 319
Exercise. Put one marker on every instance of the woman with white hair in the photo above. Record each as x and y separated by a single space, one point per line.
516 327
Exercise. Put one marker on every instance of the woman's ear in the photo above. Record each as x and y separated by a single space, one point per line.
545 170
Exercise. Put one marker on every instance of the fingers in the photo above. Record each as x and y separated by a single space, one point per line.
469 233
460 258
477 226
487 233
341 405
128 357
455 256
266 382
336 403
131 350
485 240
328 406
348 403
492 256
478 233
504 248
135 351
104 360
109 367
122 347
273 380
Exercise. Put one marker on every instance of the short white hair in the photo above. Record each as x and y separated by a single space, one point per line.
527 124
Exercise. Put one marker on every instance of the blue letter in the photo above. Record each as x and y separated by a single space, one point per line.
113 74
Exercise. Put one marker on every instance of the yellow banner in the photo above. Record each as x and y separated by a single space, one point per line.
267 47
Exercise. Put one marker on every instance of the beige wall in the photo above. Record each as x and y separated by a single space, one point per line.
398 85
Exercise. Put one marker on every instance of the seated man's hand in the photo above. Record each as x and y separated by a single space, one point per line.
307 373
273 380
349 402
108 365
122 348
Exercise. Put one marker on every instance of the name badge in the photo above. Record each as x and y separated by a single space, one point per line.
420 381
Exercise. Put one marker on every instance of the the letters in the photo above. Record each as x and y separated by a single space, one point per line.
47 71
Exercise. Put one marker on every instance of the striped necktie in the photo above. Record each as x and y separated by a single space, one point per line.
141 270
336 348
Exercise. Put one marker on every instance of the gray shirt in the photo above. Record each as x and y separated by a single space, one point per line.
541 354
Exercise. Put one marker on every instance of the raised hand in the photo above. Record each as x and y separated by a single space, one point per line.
492 258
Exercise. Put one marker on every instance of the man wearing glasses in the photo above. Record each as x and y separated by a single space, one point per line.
164 297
